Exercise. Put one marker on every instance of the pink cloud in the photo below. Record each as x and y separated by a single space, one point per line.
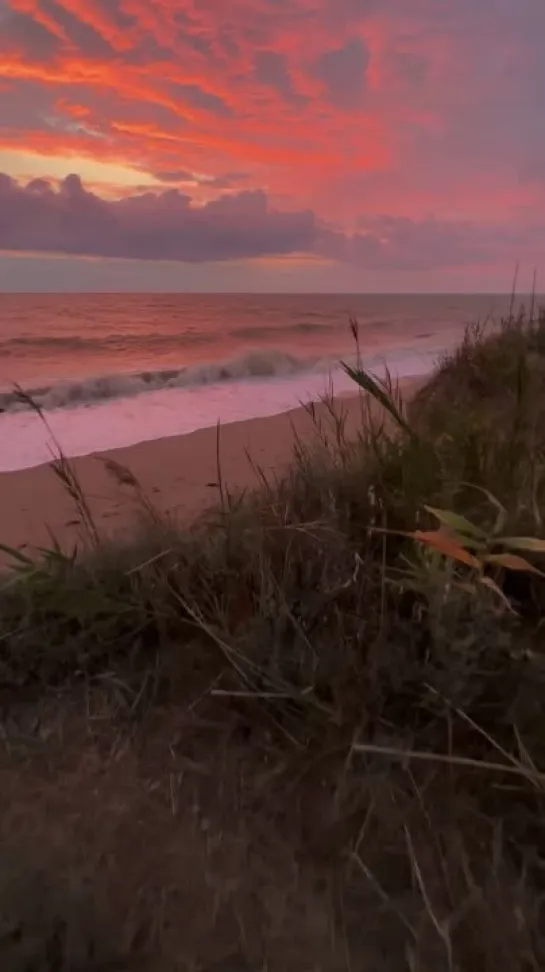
348 110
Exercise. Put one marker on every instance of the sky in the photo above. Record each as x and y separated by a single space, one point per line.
271 145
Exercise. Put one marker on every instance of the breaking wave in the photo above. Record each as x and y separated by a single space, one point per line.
92 391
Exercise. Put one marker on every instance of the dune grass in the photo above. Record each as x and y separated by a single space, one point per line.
308 733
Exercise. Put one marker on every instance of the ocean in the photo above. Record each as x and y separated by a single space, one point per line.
115 369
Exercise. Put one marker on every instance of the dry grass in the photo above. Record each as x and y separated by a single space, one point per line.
308 733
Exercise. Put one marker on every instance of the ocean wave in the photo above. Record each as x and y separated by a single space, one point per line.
255 332
113 342
89 391
169 340
71 343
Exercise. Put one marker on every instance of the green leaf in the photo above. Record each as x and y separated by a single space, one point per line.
457 523
492 586
502 512
531 544
373 387
466 587
512 562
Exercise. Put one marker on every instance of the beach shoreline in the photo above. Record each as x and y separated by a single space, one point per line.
178 474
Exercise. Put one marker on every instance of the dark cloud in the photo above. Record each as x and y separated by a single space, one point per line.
408 67
354 9
190 34
174 175
196 97
115 11
342 71
203 99
532 173
270 68
78 33
28 106
151 226
228 42
99 106
400 243
228 180
145 51
350 13
166 226
225 181
23 33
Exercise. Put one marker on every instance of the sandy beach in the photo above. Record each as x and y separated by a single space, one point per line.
176 473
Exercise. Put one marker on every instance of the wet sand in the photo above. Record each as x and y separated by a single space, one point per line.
176 473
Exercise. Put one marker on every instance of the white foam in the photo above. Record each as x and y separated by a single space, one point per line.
24 441
265 363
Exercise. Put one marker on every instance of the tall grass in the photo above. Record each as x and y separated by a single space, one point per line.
372 622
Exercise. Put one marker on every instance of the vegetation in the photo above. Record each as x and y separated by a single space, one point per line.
309 733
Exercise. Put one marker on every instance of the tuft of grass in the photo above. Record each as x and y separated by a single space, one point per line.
63 469
353 659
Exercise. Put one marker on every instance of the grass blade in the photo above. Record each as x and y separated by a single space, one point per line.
373 387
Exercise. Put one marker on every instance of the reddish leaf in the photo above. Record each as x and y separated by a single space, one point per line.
444 544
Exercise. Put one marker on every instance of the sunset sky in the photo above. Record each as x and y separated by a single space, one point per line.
383 145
